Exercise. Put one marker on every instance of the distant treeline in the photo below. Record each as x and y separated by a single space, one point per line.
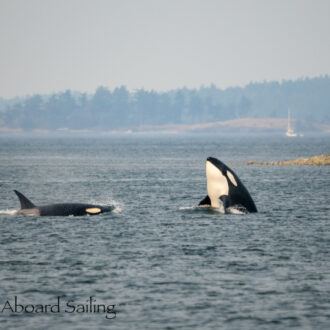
309 99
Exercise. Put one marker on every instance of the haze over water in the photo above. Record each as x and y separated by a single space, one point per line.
162 262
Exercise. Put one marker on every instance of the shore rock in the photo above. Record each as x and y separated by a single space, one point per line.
316 161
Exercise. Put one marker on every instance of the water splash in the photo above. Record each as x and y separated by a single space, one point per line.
202 208
8 212
118 206
188 208
235 210
216 210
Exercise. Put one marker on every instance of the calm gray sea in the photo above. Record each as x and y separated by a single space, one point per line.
162 262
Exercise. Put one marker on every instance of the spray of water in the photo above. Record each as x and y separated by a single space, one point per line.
8 212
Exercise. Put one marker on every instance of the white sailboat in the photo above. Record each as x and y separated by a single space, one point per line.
290 132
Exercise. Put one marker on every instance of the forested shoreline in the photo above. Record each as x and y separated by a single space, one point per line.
120 109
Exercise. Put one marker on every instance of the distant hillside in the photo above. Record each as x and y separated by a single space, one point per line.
261 105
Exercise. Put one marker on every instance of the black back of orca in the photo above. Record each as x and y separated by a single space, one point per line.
76 209
61 209
224 184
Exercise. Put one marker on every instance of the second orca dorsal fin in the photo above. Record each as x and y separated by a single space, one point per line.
25 203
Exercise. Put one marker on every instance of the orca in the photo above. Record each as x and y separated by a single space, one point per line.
62 209
225 188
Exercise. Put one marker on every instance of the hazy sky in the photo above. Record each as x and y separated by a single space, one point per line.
53 45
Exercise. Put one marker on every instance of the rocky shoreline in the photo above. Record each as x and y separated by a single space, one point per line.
315 161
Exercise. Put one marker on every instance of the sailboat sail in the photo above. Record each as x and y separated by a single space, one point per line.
290 132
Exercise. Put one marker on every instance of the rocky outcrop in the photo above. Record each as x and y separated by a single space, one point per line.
316 161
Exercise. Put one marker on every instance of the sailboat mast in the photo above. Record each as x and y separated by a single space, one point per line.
290 132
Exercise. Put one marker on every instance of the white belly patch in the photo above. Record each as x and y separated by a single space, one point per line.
217 184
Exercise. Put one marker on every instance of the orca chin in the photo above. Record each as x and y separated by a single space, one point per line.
225 189
61 209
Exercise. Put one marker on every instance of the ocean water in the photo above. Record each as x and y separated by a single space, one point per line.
163 262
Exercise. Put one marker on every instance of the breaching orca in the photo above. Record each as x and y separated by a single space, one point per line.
63 209
224 187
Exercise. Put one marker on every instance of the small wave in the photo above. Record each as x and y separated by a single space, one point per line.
9 212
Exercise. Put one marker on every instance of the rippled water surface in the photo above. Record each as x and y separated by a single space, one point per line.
162 262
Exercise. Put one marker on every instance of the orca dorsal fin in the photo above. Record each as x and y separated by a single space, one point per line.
25 203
